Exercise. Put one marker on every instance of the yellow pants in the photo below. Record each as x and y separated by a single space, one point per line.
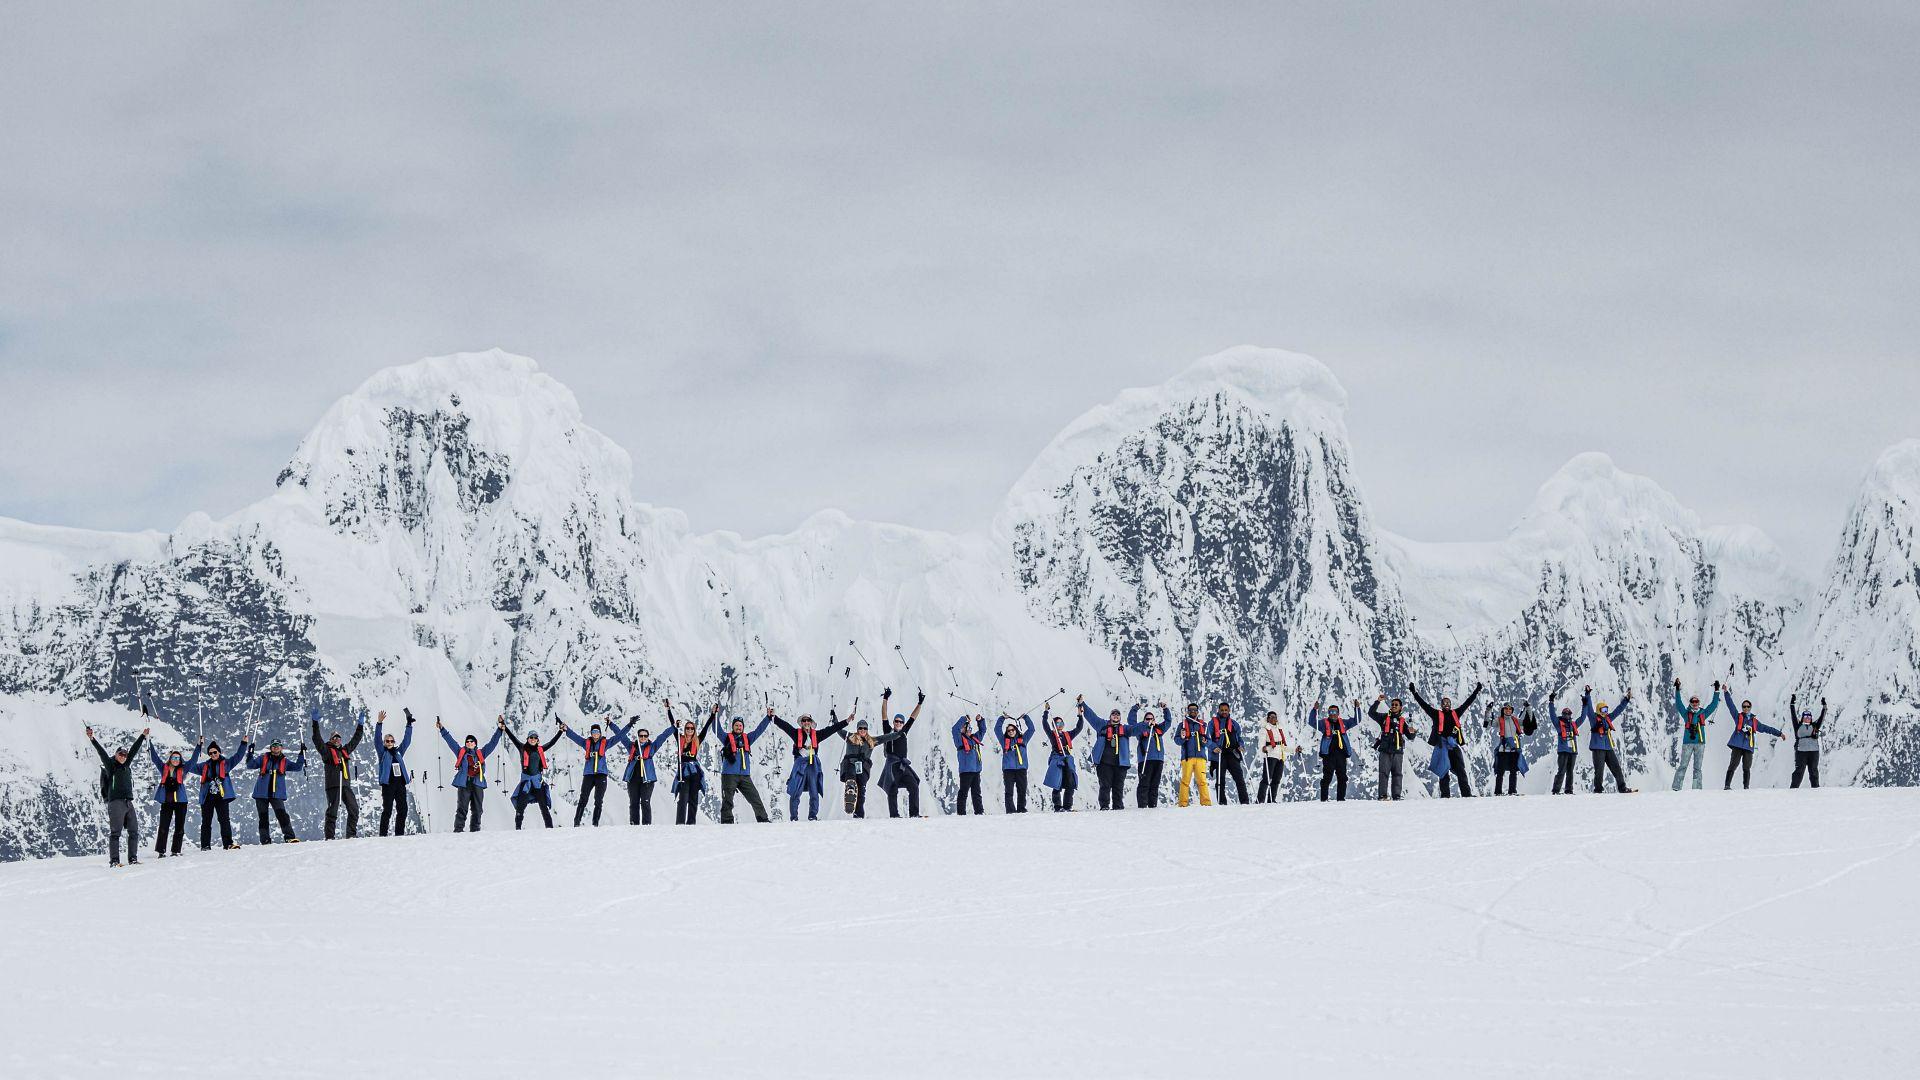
1193 771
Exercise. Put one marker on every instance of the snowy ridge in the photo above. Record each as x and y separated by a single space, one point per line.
455 537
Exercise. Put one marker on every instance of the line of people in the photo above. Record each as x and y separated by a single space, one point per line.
1210 751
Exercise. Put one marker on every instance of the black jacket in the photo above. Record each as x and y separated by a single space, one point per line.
116 777
337 761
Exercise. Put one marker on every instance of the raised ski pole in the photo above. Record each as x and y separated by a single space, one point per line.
955 678
858 653
997 676
1125 679
903 659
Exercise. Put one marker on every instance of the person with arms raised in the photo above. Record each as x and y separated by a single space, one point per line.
1566 735
470 773
1509 764
1806 741
1746 728
116 790
1391 745
642 747
1336 745
736 768
1063 773
896 771
594 773
856 768
533 785
171 794
1601 726
216 795
1227 749
1013 760
1693 732
270 788
804 775
969 732
1153 756
336 762
689 779
1447 738
392 762
1112 751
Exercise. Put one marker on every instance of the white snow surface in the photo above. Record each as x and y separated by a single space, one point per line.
1768 933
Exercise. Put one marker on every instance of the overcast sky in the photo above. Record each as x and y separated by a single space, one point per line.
795 256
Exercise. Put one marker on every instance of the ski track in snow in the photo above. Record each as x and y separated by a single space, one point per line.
1697 934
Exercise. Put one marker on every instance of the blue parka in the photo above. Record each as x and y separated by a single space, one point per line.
1113 742
968 745
805 775
640 755
597 755
1013 744
1335 732
533 764
1600 729
179 797
272 782
216 775
1192 733
392 763
1744 726
1153 737
461 777
1062 771
689 771
1566 730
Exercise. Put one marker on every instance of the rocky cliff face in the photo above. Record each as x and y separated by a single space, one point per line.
454 537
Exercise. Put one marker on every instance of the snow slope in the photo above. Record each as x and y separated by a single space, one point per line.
1767 934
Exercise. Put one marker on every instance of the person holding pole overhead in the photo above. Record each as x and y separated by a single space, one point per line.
270 788
642 747
1013 760
969 732
896 771
804 775
1063 774
469 773
171 793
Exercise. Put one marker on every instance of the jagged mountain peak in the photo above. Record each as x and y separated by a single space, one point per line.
1895 474
1591 490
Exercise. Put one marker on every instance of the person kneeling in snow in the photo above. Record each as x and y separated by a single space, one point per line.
533 774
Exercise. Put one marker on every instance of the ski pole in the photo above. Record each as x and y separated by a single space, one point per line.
858 653
955 678
903 659
968 700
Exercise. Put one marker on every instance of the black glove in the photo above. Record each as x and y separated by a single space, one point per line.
409 715
922 699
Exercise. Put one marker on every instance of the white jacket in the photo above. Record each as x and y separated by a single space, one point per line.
1273 741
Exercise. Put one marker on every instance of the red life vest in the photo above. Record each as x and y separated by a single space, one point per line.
1746 722
1062 740
172 776
1697 723
1394 727
1191 728
1569 730
338 754
473 759
1449 724
596 750
739 744
276 781
1276 735
807 739
530 753
1115 732
1501 724
645 748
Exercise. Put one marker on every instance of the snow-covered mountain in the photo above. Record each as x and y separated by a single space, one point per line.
454 537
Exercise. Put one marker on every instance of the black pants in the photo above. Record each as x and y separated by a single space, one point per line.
1230 766
1605 761
1013 784
911 785
1742 760
1271 770
969 782
1804 761
1393 773
336 797
121 817
640 802
1147 793
596 786
208 810
393 801
860 796
1063 795
1331 766
469 799
731 785
1113 786
1456 770
1506 772
1563 773
175 815
686 807
278 808
537 795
